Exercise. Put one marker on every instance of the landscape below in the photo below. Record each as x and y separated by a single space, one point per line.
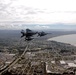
42 56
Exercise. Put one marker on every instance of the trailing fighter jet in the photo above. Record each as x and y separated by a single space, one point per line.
42 34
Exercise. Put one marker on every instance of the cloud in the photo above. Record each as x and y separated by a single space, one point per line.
41 27
18 25
10 11
38 11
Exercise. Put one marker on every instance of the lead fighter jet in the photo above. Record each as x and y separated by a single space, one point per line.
28 34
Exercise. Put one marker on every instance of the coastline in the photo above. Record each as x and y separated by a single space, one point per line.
70 39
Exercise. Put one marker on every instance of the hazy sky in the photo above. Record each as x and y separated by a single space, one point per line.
38 11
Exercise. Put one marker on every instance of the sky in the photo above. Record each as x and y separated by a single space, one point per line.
15 12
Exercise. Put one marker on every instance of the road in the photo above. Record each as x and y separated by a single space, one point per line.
13 62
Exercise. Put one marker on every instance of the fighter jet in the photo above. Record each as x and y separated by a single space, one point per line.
28 33
42 34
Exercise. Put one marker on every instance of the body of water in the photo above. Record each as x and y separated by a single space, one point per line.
71 39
